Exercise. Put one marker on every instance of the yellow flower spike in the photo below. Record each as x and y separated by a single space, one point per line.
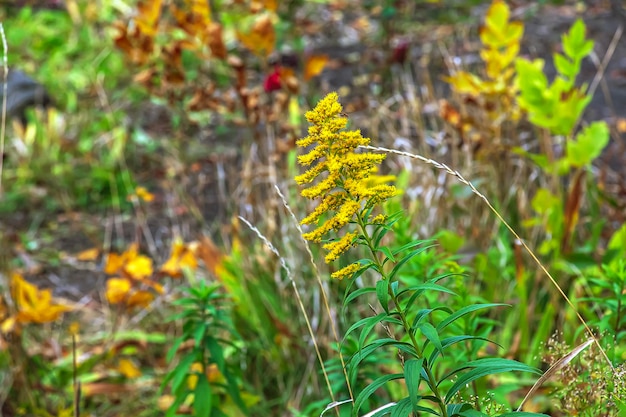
346 183
346 271
338 247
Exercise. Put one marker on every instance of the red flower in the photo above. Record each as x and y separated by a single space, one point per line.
272 81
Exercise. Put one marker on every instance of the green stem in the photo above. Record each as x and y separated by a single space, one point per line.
432 382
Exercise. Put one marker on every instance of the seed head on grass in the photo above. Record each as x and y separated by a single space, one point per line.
340 178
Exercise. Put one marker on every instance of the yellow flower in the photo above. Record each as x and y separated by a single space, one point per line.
338 247
346 271
341 178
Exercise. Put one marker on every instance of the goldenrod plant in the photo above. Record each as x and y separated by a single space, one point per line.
425 330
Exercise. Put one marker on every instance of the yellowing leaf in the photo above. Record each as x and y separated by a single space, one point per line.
201 8
271 5
314 66
192 379
117 290
8 325
74 328
182 256
88 255
147 19
261 38
127 368
165 402
34 305
140 299
139 267
143 194
466 83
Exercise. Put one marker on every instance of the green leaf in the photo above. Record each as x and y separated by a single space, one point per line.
566 68
363 322
367 350
174 349
460 409
431 334
370 325
179 374
358 293
456 339
217 353
198 333
382 293
370 389
410 245
405 259
387 252
588 144
575 45
403 408
463 311
412 378
483 367
202 398
471 413
522 414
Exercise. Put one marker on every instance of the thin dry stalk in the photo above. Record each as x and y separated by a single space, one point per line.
461 179
558 365
321 285
605 61
287 270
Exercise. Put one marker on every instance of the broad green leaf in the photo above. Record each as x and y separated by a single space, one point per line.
588 144
463 311
202 399
412 377
575 45
566 68
370 389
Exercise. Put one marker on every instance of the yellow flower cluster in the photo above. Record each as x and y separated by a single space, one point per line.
344 177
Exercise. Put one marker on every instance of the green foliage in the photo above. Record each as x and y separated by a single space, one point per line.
69 157
206 323
557 106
